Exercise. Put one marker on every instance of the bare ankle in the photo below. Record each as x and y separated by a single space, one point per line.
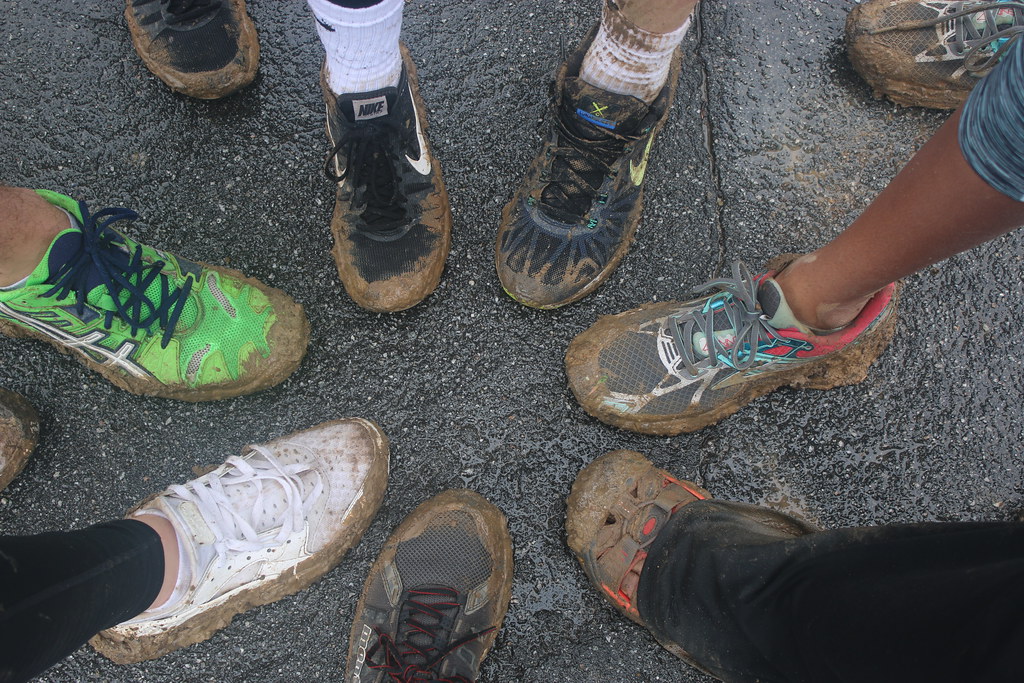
27 228
802 295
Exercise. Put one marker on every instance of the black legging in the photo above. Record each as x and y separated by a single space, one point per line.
59 589
920 602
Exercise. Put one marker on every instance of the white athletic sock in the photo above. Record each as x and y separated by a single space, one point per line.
361 44
627 60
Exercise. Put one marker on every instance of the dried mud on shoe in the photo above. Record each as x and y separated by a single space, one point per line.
390 269
456 548
122 646
589 381
19 434
213 84
886 60
288 337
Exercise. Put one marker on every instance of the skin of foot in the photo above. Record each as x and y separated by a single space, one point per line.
27 228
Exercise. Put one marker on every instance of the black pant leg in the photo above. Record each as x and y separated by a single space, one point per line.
59 589
920 602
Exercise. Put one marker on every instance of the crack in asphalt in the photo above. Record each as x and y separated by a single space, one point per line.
718 197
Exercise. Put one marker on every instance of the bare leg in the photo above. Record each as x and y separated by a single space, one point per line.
936 207
28 224
169 541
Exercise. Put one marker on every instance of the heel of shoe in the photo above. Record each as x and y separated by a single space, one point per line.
850 366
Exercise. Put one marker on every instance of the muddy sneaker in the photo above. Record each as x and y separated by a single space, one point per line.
151 322
392 223
257 528
653 370
436 596
201 48
930 53
573 218
19 433
618 506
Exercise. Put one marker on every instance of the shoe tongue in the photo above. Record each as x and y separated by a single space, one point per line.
592 113
725 333
66 247
366 106
774 306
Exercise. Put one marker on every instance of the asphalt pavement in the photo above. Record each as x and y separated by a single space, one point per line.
773 145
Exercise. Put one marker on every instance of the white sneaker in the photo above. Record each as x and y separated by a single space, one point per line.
257 528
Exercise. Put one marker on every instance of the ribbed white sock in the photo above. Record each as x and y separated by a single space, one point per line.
361 44
628 60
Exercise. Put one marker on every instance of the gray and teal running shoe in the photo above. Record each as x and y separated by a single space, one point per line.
151 322
930 53
672 367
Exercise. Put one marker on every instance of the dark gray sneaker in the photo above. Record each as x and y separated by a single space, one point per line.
19 432
436 596
201 48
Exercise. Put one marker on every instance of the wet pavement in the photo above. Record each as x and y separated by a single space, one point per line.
774 145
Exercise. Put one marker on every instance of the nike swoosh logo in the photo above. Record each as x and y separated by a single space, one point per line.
636 173
421 165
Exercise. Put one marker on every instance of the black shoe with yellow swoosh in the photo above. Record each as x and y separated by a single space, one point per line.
392 222
575 213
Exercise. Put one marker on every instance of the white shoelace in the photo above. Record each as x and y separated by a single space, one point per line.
235 529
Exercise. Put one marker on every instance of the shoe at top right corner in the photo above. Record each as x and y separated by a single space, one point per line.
672 367
930 53
574 215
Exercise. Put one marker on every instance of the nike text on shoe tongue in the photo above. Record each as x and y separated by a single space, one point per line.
368 106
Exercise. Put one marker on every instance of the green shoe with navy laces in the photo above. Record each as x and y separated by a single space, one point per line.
151 322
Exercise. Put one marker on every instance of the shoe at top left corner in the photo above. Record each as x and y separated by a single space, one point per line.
151 322
201 48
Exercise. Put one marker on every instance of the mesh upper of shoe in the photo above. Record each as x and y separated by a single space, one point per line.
938 49
260 514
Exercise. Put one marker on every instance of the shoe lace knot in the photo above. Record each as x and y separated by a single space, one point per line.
248 496
182 11
372 168
428 616
140 293
704 342
576 170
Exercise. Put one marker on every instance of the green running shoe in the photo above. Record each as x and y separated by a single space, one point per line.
150 322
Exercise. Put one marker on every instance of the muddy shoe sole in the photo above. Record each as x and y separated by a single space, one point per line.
886 62
19 434
289 338
129 649
205 85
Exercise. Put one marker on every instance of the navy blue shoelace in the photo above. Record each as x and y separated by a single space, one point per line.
105 258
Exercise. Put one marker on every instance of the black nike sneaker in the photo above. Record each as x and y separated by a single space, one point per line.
574 215
201 48
392 223
435 598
